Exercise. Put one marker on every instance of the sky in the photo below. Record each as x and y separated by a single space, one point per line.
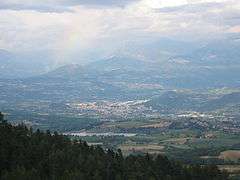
70 28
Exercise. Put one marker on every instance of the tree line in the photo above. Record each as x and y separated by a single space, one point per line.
35 155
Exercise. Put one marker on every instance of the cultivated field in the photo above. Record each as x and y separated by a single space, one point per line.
148 148
230 155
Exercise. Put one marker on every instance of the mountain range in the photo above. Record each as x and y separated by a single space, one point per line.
128 76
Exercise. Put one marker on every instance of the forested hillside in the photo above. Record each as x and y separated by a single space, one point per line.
29 155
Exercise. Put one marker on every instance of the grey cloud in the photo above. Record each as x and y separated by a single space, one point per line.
232 18
191 8
40 8
221 14
102 2
59 5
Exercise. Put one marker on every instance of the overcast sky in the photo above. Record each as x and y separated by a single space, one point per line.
82 26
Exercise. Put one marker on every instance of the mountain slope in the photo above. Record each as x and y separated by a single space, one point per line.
228 100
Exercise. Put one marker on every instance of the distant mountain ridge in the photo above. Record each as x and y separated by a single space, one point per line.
16 66
123 77
174 101
232 99
170 63
126 77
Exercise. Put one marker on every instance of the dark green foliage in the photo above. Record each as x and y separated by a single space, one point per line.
27 155
1 116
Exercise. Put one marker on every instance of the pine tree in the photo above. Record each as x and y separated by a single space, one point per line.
1 117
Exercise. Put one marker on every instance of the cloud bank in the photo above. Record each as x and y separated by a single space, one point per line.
71 28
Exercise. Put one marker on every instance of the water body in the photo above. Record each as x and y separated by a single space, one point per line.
84 134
